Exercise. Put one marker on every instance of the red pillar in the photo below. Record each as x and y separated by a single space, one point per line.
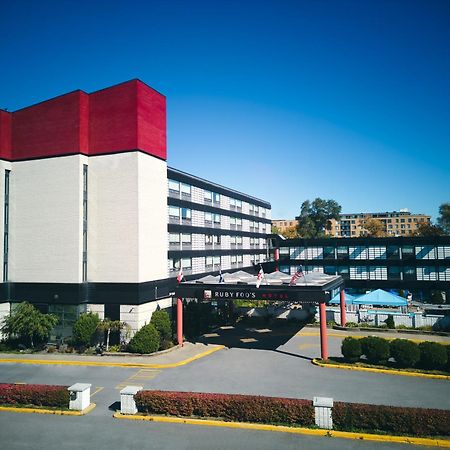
180 322
323 331
342 299
277 257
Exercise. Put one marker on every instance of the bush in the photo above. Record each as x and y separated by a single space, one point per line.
432 355
351 349
391 419
406 353
351 325
34 394
84 329
161 321
146 340
241 408
390 323
375 349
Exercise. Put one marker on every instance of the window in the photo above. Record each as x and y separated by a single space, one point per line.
174 186
6 227
443 252
216 197
425 252
342 252
252 241
186 239
233 260
208 217
185 214
174 239
408 252
186 263
208 239
208 196
392 252
359 252
85 222
185 189
239 259
393 273
216 218
216 239
174 265
174 212
427 274
328 253
216 261
209 261
376 252
238 222
238 204
238 240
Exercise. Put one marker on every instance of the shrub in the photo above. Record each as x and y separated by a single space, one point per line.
432 355
241 408
146 340
34 394
390 323
351 325
391 419
84 328
405 352
375 349
351 348
161 321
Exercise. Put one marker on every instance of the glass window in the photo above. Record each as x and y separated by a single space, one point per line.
216 239
208 196
208 217
328 253
185 189
393 273
186 213
216 197
392 252
208 239
174 264
239 240
342 252
239 259
209 261
233 259
238 222
408 252
216 260
174 211
186 238
186 263
174 185
216 218
238 203
174 238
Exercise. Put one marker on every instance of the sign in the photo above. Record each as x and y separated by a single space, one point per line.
259 294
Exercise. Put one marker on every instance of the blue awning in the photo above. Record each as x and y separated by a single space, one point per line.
349 299
381 298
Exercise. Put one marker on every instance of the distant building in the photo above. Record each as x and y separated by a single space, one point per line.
395 223
284 224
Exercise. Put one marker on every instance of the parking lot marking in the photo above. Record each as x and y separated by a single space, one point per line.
248 340
97 390
142 374
303 346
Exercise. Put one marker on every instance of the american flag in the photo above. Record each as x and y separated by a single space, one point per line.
180 275
296 276
259 277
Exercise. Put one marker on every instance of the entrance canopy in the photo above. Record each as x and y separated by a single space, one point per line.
314 287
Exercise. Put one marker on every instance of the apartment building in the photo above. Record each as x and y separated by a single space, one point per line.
401 223
284 224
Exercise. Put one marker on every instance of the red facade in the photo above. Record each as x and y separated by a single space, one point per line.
128 116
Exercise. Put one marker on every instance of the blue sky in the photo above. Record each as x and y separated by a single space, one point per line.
284 100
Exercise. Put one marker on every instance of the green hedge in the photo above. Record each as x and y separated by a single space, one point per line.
391 419
34 395
405 352
375 349
146 340
351 348
240 408
432 355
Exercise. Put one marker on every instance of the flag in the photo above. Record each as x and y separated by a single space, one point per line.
259 277
296 276
221 279
180 275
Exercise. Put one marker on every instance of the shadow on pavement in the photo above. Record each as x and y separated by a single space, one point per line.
257 334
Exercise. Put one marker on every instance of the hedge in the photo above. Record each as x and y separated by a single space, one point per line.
391 419
351 348
375 348
34 394
405 352
240 408
432 355
146 340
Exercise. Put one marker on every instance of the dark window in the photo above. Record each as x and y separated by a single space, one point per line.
342 252
408 252
85 222
392 252
6 228
112 311
393 273
328 253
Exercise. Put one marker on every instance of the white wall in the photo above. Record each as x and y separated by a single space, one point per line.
46 220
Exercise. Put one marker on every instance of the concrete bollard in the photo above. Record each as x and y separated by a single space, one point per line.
322 410
80 396
127 403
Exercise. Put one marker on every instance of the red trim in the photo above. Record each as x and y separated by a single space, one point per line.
180 322
126 117
323 331
342 304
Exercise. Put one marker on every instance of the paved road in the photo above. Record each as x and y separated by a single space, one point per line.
31 431
263 362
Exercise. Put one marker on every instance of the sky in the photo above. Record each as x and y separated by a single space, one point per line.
283 100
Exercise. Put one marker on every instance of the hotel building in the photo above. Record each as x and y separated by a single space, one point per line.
94 220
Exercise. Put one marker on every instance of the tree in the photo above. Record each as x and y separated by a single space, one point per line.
28 323
444 219
161 321
275 230
315 216
428 229
290 232
374 228
146 340
84 328
109 325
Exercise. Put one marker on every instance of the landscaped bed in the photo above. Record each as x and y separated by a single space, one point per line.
34 396
351 417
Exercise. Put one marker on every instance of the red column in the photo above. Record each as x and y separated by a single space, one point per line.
323 331
277 257
180 322
343 318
